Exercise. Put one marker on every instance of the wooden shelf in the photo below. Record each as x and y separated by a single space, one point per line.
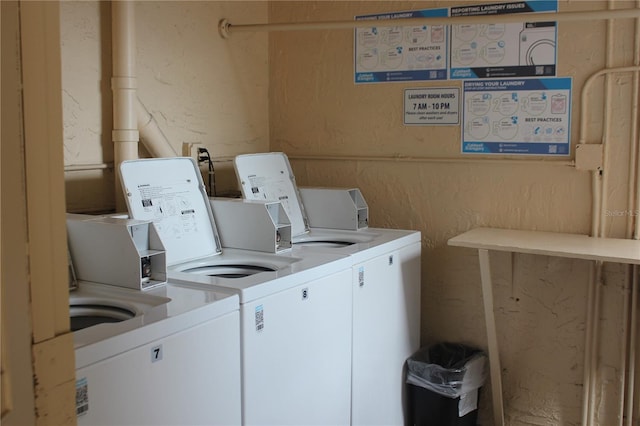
551 244
540 243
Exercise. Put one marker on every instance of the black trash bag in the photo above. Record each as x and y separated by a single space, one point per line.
448 369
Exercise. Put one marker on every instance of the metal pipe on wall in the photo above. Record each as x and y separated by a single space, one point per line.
633 320
85 167
412 159
633 227
131 120
606 138
123 84
151 135
635 126
588 344
225 28
593 310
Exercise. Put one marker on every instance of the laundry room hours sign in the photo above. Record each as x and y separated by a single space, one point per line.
432 106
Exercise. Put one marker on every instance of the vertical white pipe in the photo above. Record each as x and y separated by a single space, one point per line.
635 121
604 196
596 186
593 356
609 63
594 288
624 349
123 84
633 330
633 321
606 126
586 401
630 302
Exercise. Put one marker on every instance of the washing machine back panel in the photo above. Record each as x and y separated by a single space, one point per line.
297 354
170 192
268 177
191 377
386 331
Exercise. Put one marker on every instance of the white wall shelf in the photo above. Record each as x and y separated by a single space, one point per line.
540 243
551 244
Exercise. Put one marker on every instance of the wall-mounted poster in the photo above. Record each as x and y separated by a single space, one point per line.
525 49
401 53
517 116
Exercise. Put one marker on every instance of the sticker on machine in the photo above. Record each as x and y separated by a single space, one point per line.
259 316
82 396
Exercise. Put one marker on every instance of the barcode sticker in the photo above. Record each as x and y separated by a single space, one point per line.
361 276
82 396
259 314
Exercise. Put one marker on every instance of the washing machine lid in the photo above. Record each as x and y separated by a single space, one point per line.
171 193
268 176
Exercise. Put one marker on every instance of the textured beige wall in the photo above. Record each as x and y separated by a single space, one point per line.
316 110
198 87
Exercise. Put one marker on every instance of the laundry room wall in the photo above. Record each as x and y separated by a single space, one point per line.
198 87
337 133
294 92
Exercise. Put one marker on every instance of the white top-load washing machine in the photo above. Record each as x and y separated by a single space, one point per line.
385 279
176 361
166 355
295 311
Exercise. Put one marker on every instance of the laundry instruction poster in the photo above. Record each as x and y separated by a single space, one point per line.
517 116
525 49
401 53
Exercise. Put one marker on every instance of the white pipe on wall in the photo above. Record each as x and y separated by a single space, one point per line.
586 379
606 137
594 342
597 229
633 397
635 125
633 320
151 135
633 330
412 159
606 126
225 28
85 167
584 109
584 105
123 84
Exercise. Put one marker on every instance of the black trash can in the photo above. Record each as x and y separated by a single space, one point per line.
443 385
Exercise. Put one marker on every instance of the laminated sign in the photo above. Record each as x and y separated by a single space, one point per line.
523 49
386 53
517 116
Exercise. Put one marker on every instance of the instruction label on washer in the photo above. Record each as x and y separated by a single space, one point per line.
503 50
432 106
517 116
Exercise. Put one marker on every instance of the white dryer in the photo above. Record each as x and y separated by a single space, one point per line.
385 283
169 355
295 311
